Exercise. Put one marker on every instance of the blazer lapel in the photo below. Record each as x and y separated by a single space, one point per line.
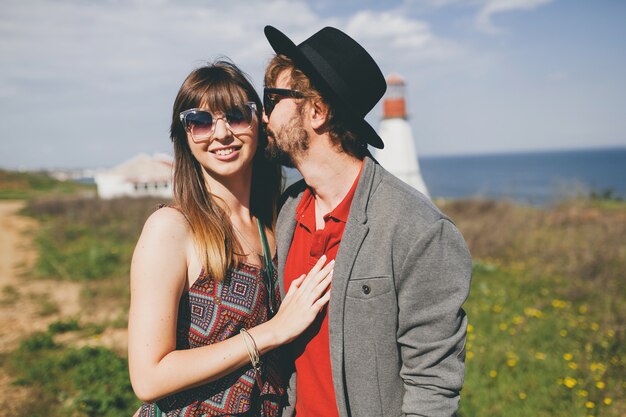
285 227
355 232
351 241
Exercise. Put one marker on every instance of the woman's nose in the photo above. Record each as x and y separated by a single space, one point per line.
221 129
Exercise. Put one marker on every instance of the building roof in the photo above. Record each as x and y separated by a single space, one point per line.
144 168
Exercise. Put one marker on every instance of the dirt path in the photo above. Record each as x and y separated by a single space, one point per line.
26 305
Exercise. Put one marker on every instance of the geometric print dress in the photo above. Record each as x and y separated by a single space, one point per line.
212 311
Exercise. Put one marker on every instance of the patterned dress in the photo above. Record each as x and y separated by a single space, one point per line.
212 311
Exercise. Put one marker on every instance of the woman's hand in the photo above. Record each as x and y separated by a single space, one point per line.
304 300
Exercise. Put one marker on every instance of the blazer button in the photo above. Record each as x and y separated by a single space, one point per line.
366 289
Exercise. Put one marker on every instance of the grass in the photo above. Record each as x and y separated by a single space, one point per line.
83 239
547 308
27 185
88 241
68 381
531 351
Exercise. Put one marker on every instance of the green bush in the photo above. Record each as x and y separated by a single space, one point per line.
87 381
63 326
84 239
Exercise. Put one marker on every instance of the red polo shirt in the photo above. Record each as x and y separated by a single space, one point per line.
316 395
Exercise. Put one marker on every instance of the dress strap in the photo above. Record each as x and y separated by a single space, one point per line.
267 261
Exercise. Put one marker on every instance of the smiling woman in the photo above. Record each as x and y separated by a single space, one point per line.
206 313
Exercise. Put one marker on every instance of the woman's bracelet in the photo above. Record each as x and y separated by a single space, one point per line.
253 353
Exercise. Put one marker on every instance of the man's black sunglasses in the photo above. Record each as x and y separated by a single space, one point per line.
271 96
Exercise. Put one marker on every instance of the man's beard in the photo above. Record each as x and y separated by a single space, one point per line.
288 144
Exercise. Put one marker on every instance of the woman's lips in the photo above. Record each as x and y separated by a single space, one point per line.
226 153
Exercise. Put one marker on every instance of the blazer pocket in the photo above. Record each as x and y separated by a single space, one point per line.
368 288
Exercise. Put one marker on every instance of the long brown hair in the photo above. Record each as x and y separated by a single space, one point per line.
219 86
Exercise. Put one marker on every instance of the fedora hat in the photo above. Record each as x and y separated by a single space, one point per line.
343 72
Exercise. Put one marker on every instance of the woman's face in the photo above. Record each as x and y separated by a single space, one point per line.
224 142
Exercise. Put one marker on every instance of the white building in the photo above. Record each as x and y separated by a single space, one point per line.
140 176
399 155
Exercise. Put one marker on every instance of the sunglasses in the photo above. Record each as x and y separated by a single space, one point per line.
271 97
201 123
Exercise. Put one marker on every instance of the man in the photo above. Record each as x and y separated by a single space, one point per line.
392 341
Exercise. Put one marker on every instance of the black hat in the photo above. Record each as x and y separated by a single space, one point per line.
343 72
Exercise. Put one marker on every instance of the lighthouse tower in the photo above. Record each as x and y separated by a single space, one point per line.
399 156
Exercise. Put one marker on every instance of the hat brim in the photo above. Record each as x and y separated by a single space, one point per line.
284 46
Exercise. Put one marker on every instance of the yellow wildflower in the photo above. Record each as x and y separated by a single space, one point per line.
522 395
572 365
540 356
590 404
569 382
493 373
563 332
608 401
568 356
583 309
582 393
597 366
595 327
511 362
600 385
503 326
518 320
533 312
497 308
470 328
469 355
610 333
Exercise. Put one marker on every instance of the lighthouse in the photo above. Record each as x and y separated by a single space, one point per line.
399 155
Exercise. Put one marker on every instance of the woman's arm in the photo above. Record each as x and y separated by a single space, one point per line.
158 278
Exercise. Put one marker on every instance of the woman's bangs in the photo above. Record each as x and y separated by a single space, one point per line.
223 95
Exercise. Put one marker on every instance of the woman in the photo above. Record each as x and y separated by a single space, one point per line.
202 284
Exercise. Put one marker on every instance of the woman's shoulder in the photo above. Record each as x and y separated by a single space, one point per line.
167 221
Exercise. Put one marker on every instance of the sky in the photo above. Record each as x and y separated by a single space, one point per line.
90 84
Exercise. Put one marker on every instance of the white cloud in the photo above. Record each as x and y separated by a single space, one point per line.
394 34
106 72
484 18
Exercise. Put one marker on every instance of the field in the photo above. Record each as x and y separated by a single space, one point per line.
547 309
21 185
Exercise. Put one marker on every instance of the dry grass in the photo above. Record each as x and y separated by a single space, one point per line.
579 242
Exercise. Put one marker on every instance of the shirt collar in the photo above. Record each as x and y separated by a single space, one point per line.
339 213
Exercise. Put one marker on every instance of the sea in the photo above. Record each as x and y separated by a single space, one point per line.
531 178
534 178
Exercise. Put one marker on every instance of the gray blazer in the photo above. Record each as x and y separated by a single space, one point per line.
397 330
